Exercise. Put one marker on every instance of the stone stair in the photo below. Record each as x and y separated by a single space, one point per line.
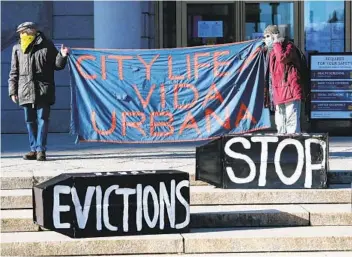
222 221
209 195
240 223
215 216
25 180
320 238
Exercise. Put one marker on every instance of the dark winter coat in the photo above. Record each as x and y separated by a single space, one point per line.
32 72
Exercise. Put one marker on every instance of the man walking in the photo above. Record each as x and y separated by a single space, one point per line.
31 83
284 81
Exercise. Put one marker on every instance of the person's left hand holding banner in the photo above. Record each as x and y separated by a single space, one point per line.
64 50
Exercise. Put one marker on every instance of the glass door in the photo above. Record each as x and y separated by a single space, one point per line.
324 26
259 15
208 23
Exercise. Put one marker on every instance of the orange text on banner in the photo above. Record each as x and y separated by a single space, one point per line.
244 113
79 66
137 124
168 124
120 59
103 132
176 97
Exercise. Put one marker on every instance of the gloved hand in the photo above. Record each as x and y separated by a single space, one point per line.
275 38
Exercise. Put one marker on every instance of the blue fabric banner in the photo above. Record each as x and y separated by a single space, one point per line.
167 95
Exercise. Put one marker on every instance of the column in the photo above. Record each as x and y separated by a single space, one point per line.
117 24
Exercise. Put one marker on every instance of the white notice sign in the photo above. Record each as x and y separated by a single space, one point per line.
210 29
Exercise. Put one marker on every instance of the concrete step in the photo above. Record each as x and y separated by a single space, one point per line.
26 180
271 254
226 216
18 221
291 239
329 214
54 244
271 215
209 195
269 239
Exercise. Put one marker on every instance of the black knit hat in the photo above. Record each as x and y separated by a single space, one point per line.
26 25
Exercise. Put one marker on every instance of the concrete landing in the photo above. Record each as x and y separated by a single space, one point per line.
198 241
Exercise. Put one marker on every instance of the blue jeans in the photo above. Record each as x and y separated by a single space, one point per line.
287 117
37 121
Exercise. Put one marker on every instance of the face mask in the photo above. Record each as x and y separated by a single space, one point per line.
26 40
268 41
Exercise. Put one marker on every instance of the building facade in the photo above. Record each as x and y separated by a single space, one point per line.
312 25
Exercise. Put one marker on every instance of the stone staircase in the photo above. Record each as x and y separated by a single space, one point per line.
265 222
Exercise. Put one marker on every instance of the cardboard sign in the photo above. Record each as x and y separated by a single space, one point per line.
113 204
264 161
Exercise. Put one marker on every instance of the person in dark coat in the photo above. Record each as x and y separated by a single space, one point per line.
285 86
31 83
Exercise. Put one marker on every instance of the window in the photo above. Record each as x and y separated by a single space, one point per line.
260 15
324 26
209 24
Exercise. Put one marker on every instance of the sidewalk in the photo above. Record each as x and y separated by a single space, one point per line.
66 156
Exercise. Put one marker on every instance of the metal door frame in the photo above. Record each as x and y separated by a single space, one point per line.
181 14
296 18
239 21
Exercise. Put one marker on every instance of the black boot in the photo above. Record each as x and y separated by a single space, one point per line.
41 156
30 156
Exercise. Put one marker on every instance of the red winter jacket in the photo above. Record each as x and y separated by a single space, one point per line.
283 61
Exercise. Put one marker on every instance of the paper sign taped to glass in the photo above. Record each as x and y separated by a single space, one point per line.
210 29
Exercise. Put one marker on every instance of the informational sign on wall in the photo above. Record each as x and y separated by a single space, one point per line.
210 29
331 86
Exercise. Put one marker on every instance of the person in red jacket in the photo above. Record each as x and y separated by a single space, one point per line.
284 81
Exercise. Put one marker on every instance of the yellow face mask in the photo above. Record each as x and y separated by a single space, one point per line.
26 40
